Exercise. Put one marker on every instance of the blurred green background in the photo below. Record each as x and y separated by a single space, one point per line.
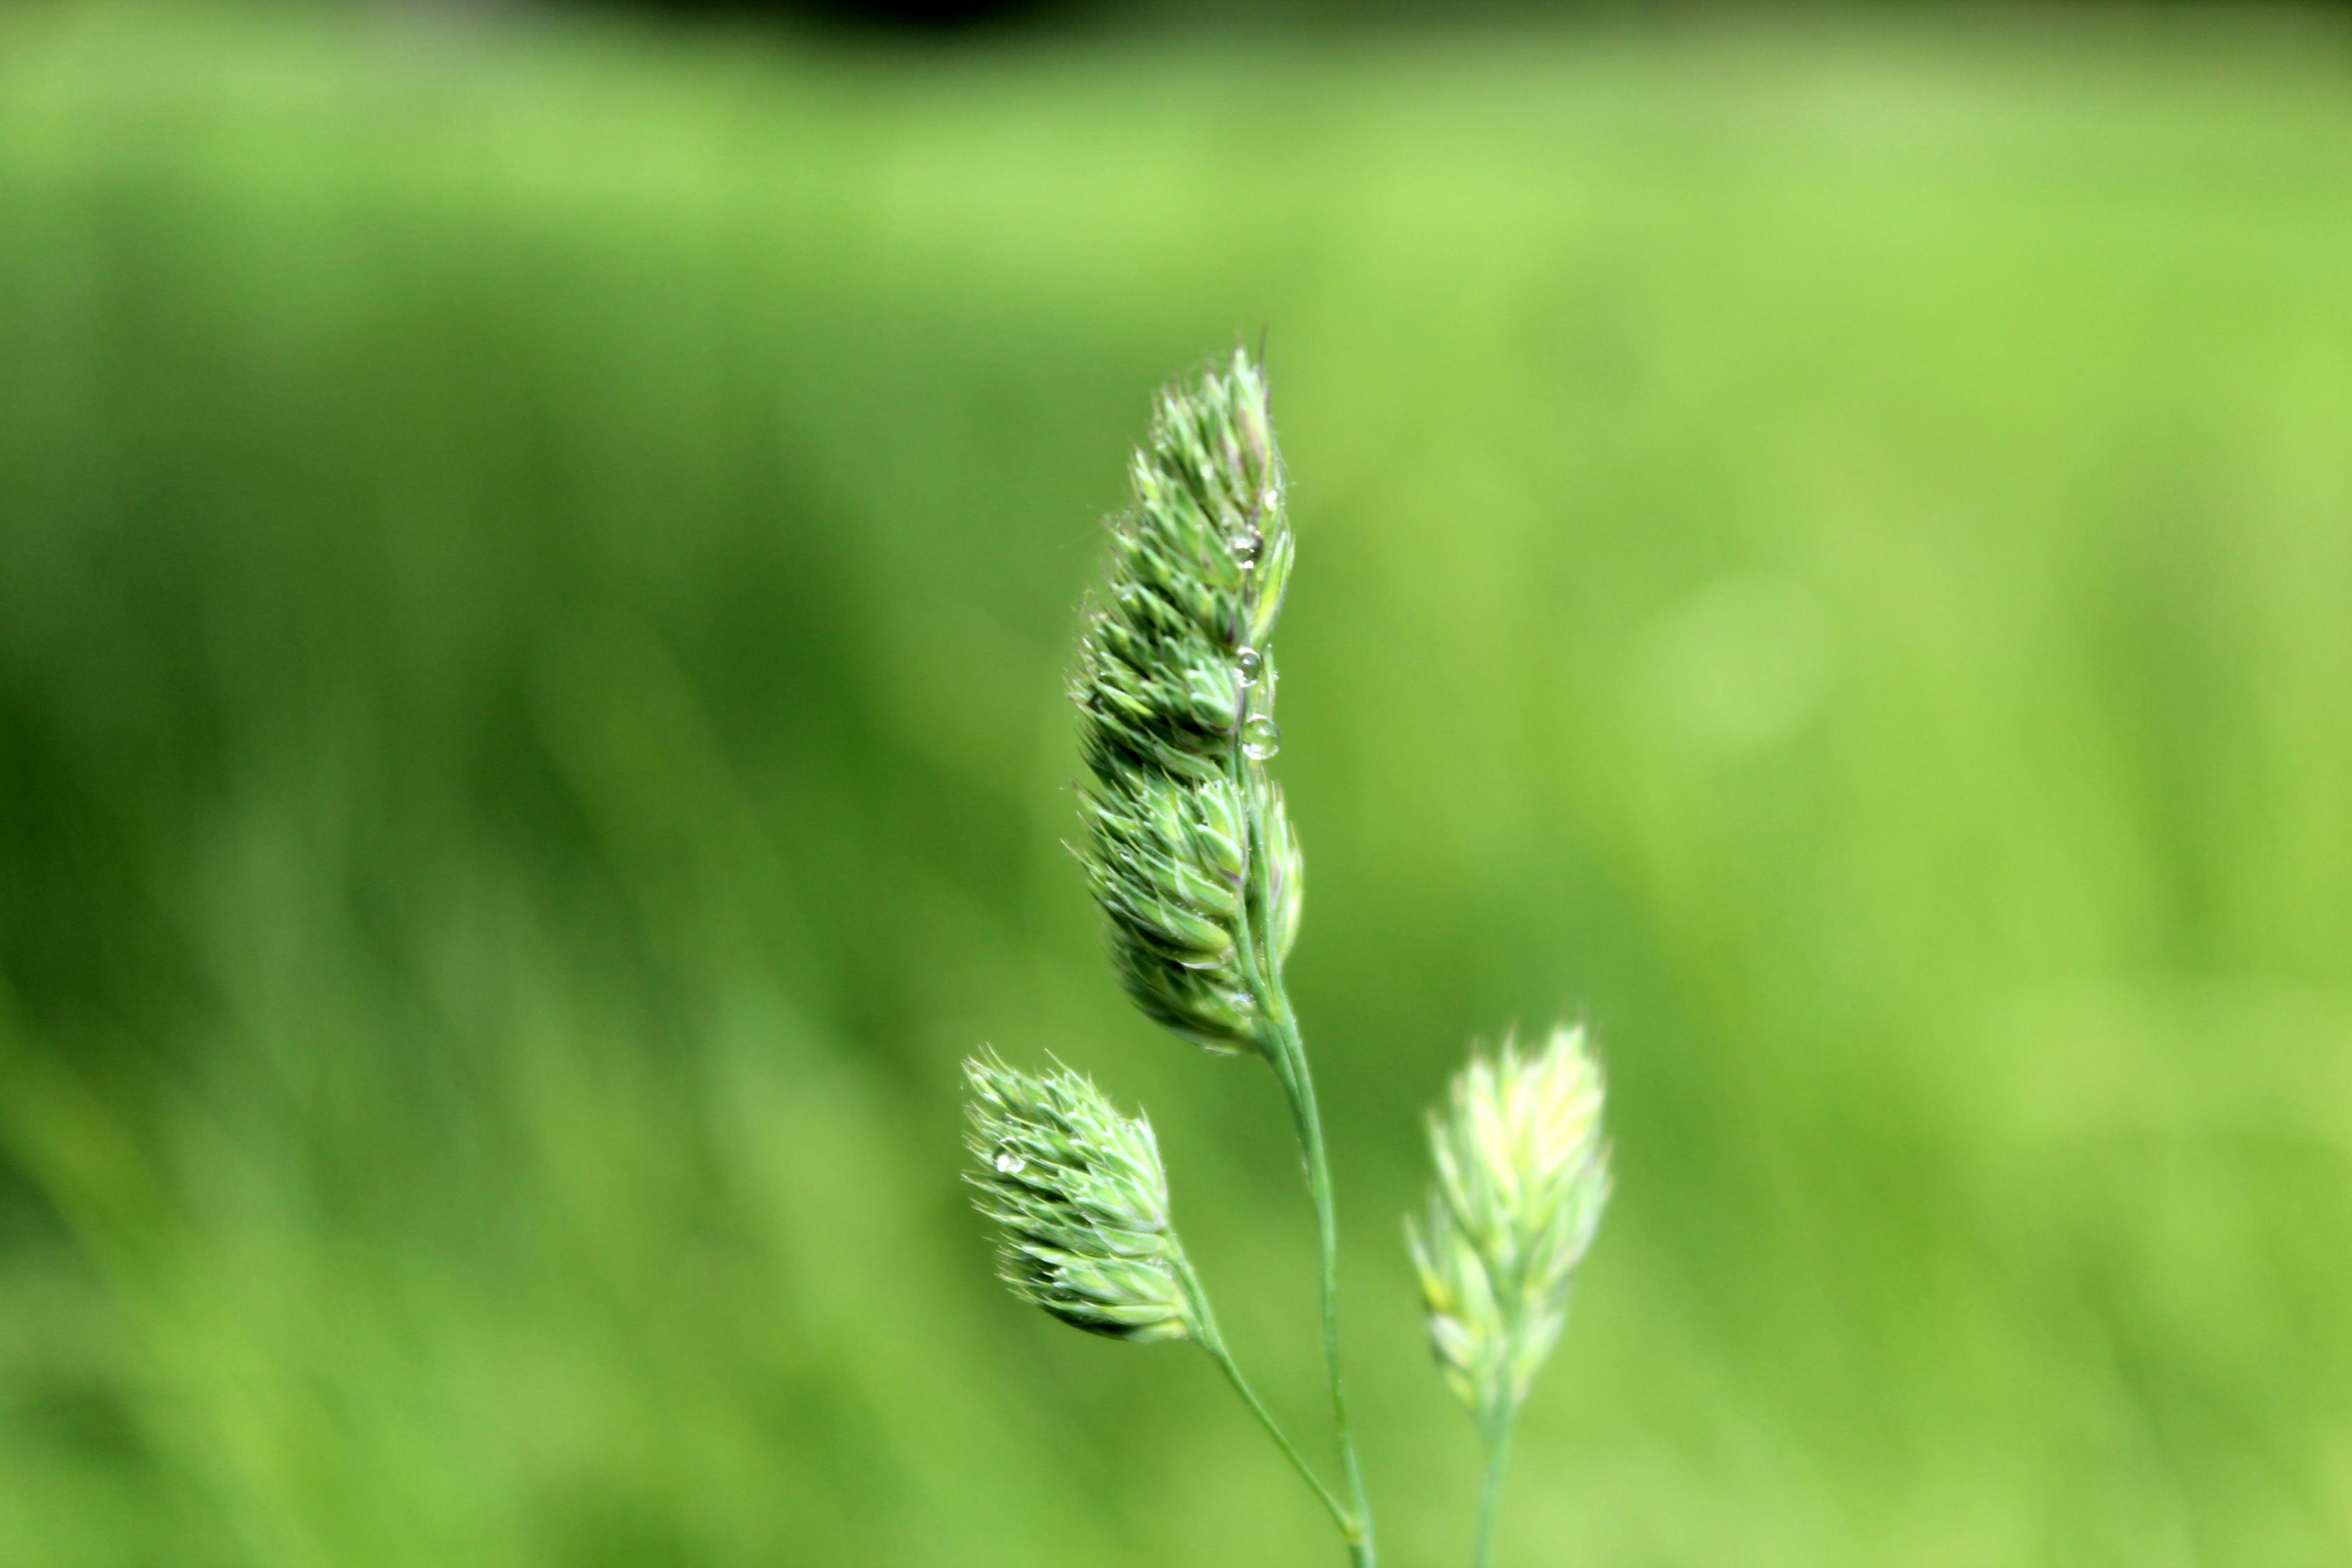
536 570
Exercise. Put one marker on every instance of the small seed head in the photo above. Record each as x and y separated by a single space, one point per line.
1522 1178
1079 1200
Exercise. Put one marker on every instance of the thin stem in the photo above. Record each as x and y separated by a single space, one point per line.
1286 1054
1298 1082
1497 1440
1214 1343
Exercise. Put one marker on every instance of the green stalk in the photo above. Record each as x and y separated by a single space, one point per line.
1287 1053
1497 1443
1214 1342
1299 1083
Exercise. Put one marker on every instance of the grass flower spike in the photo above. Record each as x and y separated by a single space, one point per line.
1522 1178
1080 1203
1187 849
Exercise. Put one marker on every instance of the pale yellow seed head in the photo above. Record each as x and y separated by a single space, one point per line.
1522 1177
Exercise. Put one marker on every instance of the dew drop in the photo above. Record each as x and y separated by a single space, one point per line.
1239 1000
1260 738
1246 663
1268 498
1009 1163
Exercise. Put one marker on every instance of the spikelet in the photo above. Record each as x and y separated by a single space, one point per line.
1080 1203
1522 1178
1187 848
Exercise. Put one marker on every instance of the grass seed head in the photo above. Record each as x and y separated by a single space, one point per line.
1079 1200
1175 694
1522 1178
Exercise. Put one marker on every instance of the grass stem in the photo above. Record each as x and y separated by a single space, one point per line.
1214 1342
1298 1084
1497 1443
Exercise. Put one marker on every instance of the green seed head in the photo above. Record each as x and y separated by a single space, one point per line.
1522 1178
1175 694
1080 1201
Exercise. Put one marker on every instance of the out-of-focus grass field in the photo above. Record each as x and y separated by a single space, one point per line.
535 573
